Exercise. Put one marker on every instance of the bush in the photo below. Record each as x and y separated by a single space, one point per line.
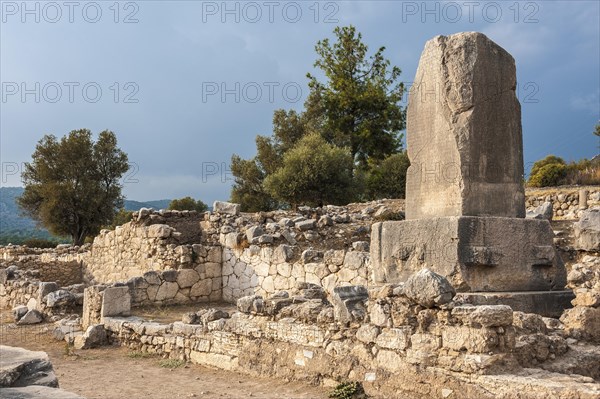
348 390
188 204
553 171
388 180
313 173
549 175
39 243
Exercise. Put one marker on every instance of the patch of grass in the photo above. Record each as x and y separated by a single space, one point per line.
139 355
348 390
171 363
68 350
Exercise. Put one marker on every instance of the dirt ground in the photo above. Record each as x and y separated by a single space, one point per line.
115 373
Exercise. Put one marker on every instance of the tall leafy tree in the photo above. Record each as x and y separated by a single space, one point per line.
72 185
356 108
249 175
358 105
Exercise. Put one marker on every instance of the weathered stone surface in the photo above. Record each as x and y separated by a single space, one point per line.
253 233
31 317
473 253
187 278
464 134
59 298
159 231
167 290
583 320
19 312
545 303
46 288
543 211
587 230
226 207
247 304
93 337
367 333
428 289
486 315
349 303
306 225
116 301
20 367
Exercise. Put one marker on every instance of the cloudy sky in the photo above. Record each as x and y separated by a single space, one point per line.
185 84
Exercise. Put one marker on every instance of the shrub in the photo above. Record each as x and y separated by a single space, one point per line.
348 390
188 204
388 180
313 173
549 175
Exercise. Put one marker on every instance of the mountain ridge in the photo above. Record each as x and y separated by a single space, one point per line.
15 228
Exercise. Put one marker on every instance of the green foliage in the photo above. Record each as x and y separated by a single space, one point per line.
388 179
248 187
188 204
348 390
72 185
548 175
358 104
356 109
597 130
121 217
39 243
553 171
313 173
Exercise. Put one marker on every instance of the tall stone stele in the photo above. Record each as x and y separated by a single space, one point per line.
465 201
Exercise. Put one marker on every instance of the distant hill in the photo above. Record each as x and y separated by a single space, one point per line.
15 228
131 205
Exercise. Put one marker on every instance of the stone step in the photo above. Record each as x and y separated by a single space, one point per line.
545 303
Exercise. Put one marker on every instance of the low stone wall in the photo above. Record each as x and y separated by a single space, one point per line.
266 270
62 265
565 200
395 347
46 297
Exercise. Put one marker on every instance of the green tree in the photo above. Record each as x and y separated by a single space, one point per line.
358 104
249 175
388 179
121 217
356 108
597 131
314 173
247 189
72 185
187 204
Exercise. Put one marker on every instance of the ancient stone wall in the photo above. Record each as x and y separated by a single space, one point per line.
565 200
62 265
391 343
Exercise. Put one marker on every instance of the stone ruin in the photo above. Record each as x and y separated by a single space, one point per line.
315 302
465 201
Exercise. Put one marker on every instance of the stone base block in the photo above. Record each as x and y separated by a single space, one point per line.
476 254
545 303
